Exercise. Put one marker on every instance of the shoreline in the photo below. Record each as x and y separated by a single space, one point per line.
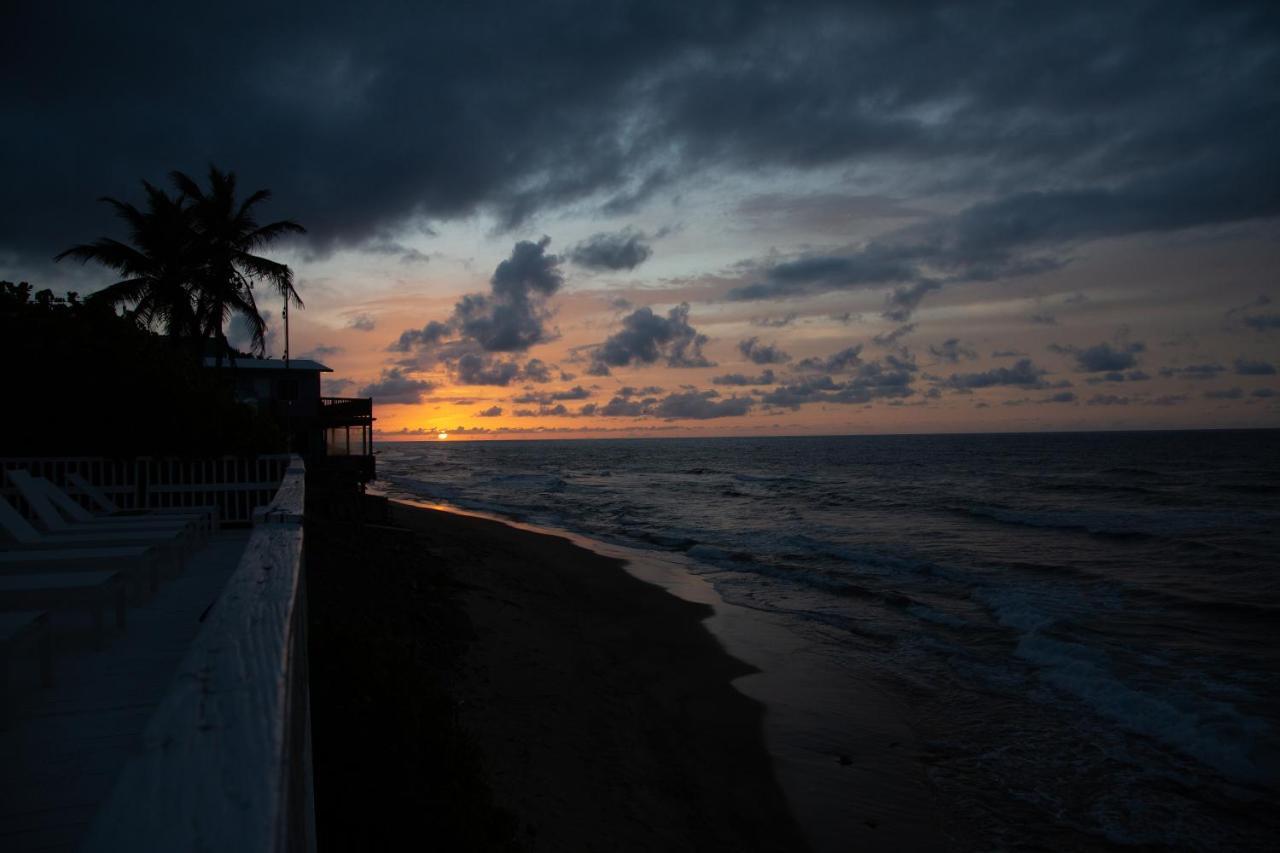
850 769
554 702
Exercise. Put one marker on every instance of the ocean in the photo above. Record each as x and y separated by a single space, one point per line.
1081 626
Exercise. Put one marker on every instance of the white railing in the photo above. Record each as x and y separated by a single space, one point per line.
236 485
225 762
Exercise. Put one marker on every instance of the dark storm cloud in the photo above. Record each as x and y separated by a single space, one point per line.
1131 116
1103 356
622 250
1023 374
394 386
647 337
766 377
759 353
1254 367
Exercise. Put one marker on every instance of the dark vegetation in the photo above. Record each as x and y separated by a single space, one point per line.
84 380
120 373
391 759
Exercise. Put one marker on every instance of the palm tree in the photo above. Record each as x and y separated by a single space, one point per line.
158 269
229 234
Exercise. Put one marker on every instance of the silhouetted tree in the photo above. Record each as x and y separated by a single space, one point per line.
228 235
159 268
191 264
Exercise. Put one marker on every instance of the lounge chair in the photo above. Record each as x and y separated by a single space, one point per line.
105 504
69 590
38 500
140 563
17 629
25 537
78 515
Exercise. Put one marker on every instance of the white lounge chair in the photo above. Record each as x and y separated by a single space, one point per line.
105 504
57 525
24 536
78 515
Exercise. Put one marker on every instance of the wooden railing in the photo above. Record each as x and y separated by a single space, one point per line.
236 485
346 409
225 762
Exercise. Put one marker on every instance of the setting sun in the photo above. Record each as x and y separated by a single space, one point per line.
442 436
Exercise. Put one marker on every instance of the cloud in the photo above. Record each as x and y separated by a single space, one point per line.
868 381
366 130
701 405
1117 376
647 337
484 369
1193 371
320 351
953 351
765 378
510 318
1263 322
557 411
759 353
887 339
1023 374
1103 356
428 336
1060 397
621 250
1254 367
491 412
838 362
333 387
362 323
1044 319
1224 394
774 322
575 393
394 386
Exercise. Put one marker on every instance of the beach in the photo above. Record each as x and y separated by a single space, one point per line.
484 687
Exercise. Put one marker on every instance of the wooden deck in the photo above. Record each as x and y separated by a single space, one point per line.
67 744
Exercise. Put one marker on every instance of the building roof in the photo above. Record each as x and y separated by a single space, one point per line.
269 364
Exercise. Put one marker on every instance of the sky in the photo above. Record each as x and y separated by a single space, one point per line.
613 219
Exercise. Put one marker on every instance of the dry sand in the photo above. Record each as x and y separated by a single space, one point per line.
586 709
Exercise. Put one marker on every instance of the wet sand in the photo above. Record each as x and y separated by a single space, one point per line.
502 689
